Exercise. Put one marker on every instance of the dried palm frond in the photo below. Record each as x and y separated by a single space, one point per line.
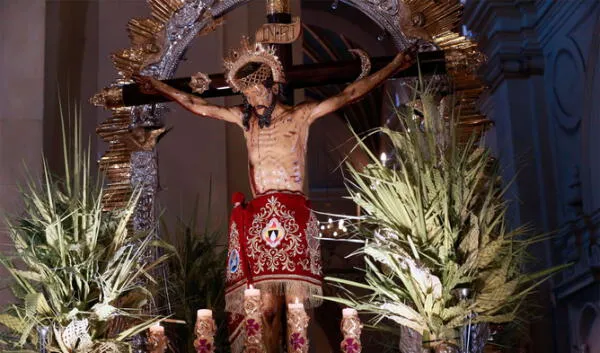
197 274
435 221
74 265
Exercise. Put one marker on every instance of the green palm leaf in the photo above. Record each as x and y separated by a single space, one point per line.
435 221
71 258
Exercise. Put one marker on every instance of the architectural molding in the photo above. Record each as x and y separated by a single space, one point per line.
505 31
577 243
590 125
553 15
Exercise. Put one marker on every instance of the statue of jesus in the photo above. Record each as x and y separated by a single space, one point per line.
273 239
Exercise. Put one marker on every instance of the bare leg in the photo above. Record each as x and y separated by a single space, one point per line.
272 318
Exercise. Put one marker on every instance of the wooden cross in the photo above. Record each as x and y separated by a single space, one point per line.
298 77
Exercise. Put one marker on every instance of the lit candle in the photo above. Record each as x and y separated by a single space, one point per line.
204 314
297 325
205 332
351 330
157 341
349 312
157 328
251 292
296 305
253 321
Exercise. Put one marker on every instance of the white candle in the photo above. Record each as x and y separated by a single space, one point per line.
204 314
251 292
349 312
157 328
296 306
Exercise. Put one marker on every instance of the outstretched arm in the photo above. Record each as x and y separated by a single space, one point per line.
360 88
190 102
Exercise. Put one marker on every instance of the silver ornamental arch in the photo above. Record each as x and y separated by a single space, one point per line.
184 24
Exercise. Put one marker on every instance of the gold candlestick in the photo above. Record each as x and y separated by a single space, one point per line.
297 325
157 341
351 329
205 332
253 321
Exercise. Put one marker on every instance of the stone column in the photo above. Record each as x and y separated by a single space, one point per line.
505 30
22 29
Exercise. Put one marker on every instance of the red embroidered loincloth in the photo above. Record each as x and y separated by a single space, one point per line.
274 246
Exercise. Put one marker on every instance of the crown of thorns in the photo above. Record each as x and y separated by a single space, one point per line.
248 53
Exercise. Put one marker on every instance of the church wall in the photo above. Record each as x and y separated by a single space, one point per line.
569 33
544 75
542 70
192 157
22 30
69 73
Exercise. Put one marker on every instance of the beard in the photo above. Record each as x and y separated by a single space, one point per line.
264 119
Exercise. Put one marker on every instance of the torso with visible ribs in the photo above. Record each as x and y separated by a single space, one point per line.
277 154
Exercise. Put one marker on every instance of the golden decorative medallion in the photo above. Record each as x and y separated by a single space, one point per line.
273 233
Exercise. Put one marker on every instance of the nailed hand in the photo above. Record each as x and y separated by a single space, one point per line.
145 83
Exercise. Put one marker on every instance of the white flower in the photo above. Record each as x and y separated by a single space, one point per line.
103 311
427 282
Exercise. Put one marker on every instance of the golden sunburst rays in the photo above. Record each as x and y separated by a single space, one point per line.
147 36
116 161
143 30
439 22
148 42
463 58
428 19
128 61
163 10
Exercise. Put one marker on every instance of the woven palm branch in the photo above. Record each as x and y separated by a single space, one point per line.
75 265
435 221
197 278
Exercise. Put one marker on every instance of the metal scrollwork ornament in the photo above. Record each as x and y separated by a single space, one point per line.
365 63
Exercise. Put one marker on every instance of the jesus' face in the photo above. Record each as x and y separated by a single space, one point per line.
259 96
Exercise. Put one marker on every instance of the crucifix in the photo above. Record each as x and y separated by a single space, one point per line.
297 77
273 241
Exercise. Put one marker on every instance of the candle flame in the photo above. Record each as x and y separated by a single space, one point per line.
383 157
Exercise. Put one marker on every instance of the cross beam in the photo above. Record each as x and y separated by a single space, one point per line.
298 76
